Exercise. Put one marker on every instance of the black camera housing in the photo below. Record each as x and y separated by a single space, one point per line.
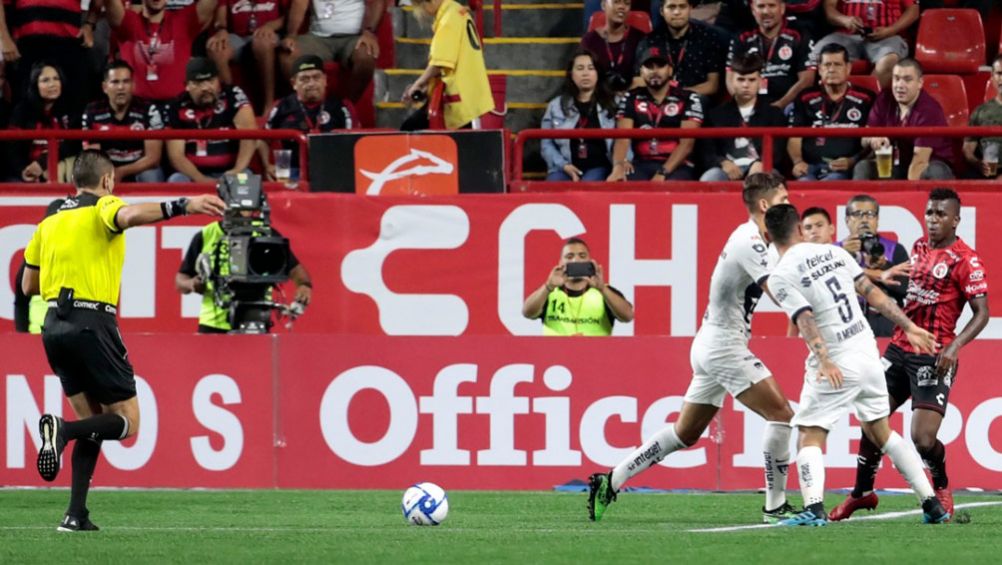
870 244
580 270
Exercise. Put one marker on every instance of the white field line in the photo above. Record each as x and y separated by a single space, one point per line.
882 516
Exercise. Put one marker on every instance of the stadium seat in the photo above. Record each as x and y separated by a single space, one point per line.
861 67
865 81
640 21
949 91
990 90
951 41
337 80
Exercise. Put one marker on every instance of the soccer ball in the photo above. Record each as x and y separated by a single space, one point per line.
425 504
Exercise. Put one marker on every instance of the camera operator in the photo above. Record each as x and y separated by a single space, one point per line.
884 261
213 242
575 299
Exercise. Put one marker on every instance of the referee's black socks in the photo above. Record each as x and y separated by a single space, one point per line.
85 454
100 427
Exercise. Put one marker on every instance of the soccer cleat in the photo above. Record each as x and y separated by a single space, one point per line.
74 524
852 504
600 495
933 512
51 429
945 497
784 512
805 518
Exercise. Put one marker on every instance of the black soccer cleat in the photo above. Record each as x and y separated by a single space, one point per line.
74 524
933 511
51 429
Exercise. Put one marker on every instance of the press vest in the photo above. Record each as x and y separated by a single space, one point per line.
586 314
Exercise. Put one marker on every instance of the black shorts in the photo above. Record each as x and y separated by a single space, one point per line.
914 375
86 351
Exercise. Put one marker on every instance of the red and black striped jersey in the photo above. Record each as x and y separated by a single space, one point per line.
56 18
139 116
942 281
214 156
875 13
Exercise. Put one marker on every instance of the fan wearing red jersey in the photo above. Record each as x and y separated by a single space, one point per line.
946 274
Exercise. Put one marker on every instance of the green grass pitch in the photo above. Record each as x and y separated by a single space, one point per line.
500 527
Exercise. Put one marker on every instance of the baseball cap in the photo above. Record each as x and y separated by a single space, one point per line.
307 63
200 68
654 52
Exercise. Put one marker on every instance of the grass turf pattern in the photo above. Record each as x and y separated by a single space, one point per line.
534 527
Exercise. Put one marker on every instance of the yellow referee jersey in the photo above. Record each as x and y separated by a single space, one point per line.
80 247
456 47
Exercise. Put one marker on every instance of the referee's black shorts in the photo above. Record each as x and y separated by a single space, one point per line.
85 350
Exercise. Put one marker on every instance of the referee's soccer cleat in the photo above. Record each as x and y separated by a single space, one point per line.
784 512
51 429
600 495
933 512
852 504
805 518
74 524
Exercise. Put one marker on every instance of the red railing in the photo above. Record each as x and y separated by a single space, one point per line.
768 136
54 136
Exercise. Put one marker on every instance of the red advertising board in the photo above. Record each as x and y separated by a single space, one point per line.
462 265
476 412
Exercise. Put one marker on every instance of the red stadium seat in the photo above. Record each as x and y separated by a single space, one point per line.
865 81
951 41
990 91
337 82
640 21
949 91
861 67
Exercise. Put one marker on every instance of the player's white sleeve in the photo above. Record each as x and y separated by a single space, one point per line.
851 266
754 258
788 295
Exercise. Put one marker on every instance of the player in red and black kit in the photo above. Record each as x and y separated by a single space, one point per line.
308 109
658 104
946 273
119 110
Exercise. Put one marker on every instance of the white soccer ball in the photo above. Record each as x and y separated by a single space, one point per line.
425 504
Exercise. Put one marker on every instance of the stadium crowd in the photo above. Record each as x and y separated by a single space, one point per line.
148 64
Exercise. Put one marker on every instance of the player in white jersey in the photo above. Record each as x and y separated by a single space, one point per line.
816 285
722 363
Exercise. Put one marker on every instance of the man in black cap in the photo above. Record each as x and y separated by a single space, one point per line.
206 105
308 109
657 104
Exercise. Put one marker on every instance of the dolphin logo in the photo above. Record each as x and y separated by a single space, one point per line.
399 169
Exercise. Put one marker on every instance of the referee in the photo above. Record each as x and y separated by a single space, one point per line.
74 260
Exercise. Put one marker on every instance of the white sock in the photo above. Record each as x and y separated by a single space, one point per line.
908 464
776 450
811 469
647 455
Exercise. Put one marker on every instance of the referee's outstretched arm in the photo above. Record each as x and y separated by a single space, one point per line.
133 215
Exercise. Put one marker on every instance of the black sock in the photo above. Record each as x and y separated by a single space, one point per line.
85 454
867 463
818 508
935 459
100 427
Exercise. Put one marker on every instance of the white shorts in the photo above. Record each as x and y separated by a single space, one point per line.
718 369
863 388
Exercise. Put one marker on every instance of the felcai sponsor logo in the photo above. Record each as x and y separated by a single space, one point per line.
977 276
406 165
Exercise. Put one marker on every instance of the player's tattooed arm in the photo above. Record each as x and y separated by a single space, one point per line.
827 369
881 302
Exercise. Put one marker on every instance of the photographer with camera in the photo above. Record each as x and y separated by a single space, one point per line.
575 299
235 263
885 262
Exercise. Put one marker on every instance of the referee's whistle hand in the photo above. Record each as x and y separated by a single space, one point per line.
208 204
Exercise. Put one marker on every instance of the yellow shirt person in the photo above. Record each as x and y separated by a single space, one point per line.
456 59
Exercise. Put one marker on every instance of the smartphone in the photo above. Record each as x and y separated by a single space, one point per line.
580 270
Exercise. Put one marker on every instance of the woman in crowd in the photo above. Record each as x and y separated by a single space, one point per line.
584 103
43 107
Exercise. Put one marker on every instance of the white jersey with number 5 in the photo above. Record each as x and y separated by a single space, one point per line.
822 278
735 287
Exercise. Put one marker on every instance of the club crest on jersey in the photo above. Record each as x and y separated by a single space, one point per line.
671 110
940 270
136 126
785 52
324 118
854 114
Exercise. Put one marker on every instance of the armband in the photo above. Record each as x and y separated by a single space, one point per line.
174 208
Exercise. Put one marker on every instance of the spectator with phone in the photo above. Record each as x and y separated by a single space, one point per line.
871 30
575 299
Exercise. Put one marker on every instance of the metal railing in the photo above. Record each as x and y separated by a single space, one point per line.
54 136
768 136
